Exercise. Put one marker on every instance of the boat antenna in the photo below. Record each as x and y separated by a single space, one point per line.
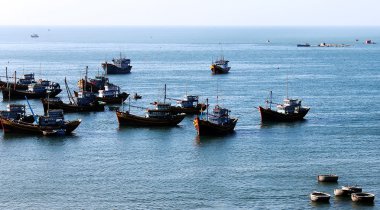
85 80
217 92
6 73
14 86
165 94
270 102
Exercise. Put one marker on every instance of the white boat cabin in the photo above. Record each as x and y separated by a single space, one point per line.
289 106
162 110
109 91
188 101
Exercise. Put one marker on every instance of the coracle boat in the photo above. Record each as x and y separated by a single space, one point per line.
220 66
347 190
136 96
84 102
41 89
291 110
118 66
160 116
352 189
217 123
319 197
327 178
363 197
52 123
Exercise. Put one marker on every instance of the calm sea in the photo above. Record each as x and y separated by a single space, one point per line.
104 166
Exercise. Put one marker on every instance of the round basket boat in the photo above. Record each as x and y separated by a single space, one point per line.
327 178
363 197
319 197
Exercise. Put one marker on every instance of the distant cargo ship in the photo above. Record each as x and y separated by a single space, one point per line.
34 36
303 45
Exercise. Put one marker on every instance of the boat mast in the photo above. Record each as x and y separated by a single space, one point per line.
71 98
14 86
270 102
207 109
85 80
287 81
165 94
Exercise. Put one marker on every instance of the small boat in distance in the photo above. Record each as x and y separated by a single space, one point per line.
291 110
303 45
217 123
34 36
120 65
136 96
327 178
320 197
363 197
220 66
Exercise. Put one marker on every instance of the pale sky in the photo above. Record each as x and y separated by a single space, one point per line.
191 12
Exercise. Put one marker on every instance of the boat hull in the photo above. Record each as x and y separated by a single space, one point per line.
112 69
20 94
95 107
268 115
207 128
215 69
11 126
125 118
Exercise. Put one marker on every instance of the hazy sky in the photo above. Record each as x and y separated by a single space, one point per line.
190 12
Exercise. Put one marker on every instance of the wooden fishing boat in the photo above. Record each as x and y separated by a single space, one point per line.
291 110
220 66
20 84
363 197
217 123
189 105
112 95
160 116
319 197
84 102
327 178
16 112
93 85
53 121
42 89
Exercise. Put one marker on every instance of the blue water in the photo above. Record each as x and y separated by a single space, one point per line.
104 166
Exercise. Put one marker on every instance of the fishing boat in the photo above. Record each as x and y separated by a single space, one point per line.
189 104
16 112
93 85
363 197
112 95
38 90
217 123
160 116
319 197
303 45
341 192
20 84
327 178
84 102
220 66
34 36
291 110
52 122
118 66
